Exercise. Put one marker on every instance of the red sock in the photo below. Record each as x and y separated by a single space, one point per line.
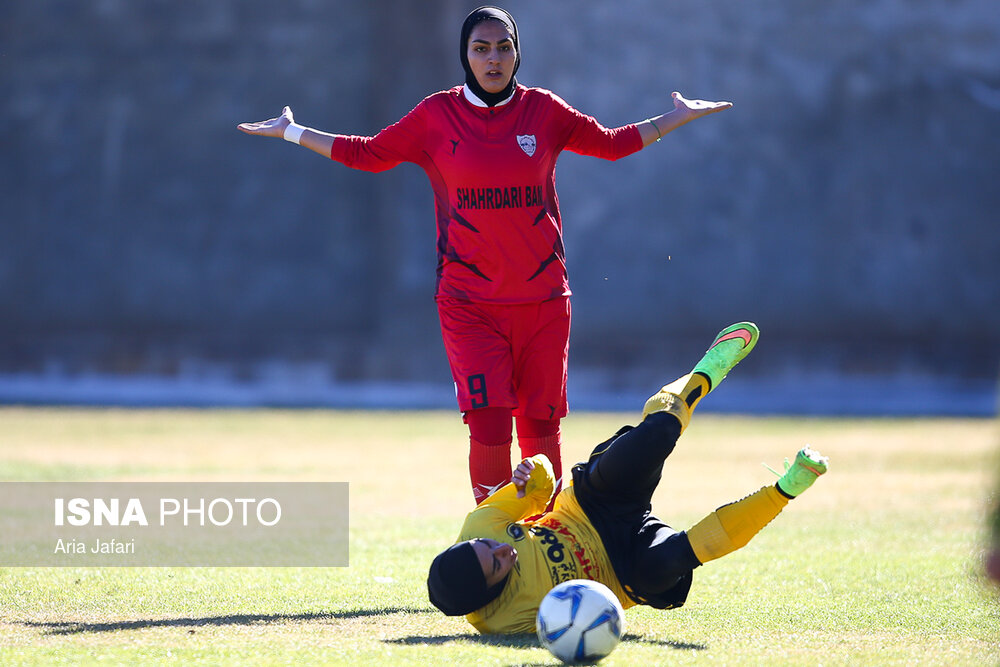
489 450
542 436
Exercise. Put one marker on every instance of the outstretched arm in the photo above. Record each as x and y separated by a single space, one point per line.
653 129
285 127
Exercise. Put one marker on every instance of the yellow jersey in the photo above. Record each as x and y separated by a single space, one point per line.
560 546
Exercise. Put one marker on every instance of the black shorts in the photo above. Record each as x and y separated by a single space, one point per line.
638 544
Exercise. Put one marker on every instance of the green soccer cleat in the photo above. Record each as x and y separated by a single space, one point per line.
799 476
729 348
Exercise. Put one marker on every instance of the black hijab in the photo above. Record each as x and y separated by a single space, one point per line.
456 584
477 16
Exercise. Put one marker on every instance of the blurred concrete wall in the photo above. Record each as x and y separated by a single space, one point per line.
848 203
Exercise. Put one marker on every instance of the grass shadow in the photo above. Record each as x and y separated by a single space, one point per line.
507 641
76 627
526 640
680 646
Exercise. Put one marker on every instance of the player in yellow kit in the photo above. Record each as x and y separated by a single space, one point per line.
601 527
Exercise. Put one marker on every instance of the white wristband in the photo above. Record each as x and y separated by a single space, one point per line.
294 132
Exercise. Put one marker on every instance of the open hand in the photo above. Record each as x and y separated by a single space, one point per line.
692 109
697 108
273 127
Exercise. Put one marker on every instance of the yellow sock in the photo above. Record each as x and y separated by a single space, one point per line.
679 398
731 526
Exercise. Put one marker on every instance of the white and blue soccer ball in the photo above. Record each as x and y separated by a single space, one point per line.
580 621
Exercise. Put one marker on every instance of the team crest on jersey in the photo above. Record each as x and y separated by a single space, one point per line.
527 143
515 531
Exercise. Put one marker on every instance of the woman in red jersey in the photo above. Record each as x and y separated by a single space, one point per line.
489 148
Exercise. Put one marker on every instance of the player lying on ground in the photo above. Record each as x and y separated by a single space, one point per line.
601 527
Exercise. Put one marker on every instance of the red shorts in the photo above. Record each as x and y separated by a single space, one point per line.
508 356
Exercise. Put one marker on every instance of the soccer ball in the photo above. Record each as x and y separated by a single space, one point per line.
580 621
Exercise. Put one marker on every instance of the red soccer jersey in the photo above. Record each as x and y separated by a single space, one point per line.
499 231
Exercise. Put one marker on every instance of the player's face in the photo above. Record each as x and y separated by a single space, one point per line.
496 559
491 55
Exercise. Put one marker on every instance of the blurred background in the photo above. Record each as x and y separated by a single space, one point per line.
150 254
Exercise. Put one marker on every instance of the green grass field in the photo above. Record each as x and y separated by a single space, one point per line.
878 564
